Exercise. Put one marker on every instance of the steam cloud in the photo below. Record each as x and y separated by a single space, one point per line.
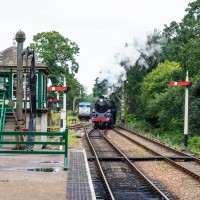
115 70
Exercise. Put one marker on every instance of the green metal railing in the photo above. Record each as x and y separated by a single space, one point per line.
61 134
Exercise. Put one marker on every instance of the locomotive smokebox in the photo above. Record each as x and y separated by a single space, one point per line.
104 113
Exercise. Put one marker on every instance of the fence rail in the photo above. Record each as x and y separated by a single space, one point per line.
15 133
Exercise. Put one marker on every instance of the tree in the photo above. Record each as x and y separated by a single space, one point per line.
100 88
183 40
135 77
76 91
57 53
162 102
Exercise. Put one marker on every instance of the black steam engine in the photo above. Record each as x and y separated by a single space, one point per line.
104 113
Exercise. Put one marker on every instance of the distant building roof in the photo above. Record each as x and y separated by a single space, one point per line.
8 57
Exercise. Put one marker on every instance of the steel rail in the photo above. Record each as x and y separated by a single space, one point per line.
169 160
99 165
145 178
159 143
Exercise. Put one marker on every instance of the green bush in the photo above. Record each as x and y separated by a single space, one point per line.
130 118
172 138
194 144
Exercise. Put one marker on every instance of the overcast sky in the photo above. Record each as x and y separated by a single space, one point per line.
99 27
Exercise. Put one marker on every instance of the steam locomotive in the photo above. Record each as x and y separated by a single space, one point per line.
104 113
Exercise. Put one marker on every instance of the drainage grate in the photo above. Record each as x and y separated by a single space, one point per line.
34 169
79 183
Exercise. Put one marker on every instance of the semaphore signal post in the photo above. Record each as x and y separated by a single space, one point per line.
65 90
187 84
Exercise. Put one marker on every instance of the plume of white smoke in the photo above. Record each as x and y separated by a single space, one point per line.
114 72
149 49
126 57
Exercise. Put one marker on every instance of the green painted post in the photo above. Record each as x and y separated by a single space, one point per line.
40 89
66 150
2 118
1 138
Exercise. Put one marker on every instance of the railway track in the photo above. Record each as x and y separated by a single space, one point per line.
118 176
185 162
175 170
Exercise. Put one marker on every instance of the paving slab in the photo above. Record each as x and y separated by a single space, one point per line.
42 177
33 177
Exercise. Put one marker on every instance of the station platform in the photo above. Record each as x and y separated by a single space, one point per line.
41 177
79 182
